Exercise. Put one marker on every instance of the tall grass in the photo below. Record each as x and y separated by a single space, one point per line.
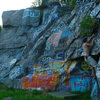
17 94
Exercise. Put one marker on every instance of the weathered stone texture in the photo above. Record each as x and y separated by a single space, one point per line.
35 36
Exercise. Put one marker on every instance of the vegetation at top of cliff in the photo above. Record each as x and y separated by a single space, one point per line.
88 26
72 4
37 3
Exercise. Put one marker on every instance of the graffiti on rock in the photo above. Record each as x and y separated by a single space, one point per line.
43 81
45 61
57 75
16 72
60 55
66 33
82 1
84 8
55 38
81 82
42 77
31 13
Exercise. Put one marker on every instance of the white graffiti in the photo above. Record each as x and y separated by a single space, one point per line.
44 59
87 6
80 1
31 13
16 72
98 72
13 62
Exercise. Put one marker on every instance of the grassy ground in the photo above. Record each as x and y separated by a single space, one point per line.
35 95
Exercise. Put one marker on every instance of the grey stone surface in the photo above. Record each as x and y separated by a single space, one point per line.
27 37
18 70
12 18
31 17
92 62
98 15
95 11
22 17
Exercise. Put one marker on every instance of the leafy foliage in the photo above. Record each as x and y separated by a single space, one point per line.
87 25
86 67
37 3
72 3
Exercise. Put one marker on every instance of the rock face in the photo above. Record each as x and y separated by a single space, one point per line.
36 43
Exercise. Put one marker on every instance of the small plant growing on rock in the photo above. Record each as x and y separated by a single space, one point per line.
72 4
87 26
85 66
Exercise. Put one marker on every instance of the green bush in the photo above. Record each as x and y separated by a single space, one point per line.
72 3
87 25
85 66
37 3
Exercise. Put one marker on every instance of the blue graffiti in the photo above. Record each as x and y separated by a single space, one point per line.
81 82
95 89
60 55
66 33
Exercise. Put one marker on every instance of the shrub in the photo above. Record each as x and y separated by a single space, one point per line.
72 3
87 25
85 67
